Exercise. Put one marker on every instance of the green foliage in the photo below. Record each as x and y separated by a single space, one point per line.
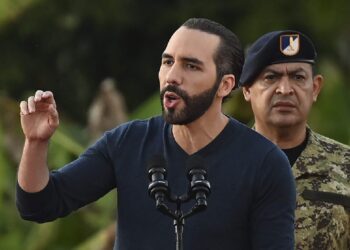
10 9
150 107
331 115
63 143
9 236
61 234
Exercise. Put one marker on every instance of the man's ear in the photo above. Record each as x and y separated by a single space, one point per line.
246 93
317 86
228 82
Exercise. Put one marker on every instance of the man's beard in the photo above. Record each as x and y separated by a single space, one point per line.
195 106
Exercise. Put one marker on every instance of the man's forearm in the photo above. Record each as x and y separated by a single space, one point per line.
33 173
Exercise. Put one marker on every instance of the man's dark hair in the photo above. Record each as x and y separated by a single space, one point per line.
229 57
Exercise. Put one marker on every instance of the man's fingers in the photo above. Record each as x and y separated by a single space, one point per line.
31 104
48 96
23 108
53 120
38 95
39 102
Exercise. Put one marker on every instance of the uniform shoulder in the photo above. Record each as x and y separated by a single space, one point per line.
328 144
323 155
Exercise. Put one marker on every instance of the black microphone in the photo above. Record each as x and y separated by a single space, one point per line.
199 185
158 188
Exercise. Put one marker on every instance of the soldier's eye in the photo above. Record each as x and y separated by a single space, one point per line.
299 77
270 77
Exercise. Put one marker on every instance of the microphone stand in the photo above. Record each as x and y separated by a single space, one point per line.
178 216
159 190
179 223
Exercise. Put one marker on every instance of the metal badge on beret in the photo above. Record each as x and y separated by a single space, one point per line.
289 44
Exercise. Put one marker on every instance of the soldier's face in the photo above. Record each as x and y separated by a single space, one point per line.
282 95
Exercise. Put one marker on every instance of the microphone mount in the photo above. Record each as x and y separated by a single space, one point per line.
199 190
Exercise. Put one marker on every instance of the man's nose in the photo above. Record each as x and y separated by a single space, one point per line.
285 87
174 74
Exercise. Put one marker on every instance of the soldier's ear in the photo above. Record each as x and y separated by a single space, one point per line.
317 86
246 93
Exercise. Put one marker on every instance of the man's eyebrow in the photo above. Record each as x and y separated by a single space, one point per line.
192 60
185 59
297 70
273 71
165 55
281 72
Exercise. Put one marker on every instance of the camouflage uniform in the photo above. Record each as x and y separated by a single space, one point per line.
322 174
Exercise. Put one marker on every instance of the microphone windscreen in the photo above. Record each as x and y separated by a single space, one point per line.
196 162
157 161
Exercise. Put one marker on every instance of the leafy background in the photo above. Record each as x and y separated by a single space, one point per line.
70 47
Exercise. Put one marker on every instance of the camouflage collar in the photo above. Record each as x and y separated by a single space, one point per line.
308 163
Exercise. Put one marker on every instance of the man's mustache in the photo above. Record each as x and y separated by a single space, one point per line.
173 88
277 100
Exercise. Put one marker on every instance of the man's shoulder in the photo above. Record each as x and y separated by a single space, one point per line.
156 121
250 134
253 143
137 128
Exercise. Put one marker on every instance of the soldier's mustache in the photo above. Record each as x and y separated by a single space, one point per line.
283 99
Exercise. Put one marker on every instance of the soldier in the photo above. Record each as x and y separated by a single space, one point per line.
280 82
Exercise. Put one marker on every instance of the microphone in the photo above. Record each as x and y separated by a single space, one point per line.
199 185
158 188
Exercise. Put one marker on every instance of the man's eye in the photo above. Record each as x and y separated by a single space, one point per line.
167 62
270 77
299 77
192 66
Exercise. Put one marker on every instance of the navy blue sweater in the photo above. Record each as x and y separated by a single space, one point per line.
251 205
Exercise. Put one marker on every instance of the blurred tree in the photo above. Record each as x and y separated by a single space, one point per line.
71 46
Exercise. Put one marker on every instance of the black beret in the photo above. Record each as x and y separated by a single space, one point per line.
276 47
